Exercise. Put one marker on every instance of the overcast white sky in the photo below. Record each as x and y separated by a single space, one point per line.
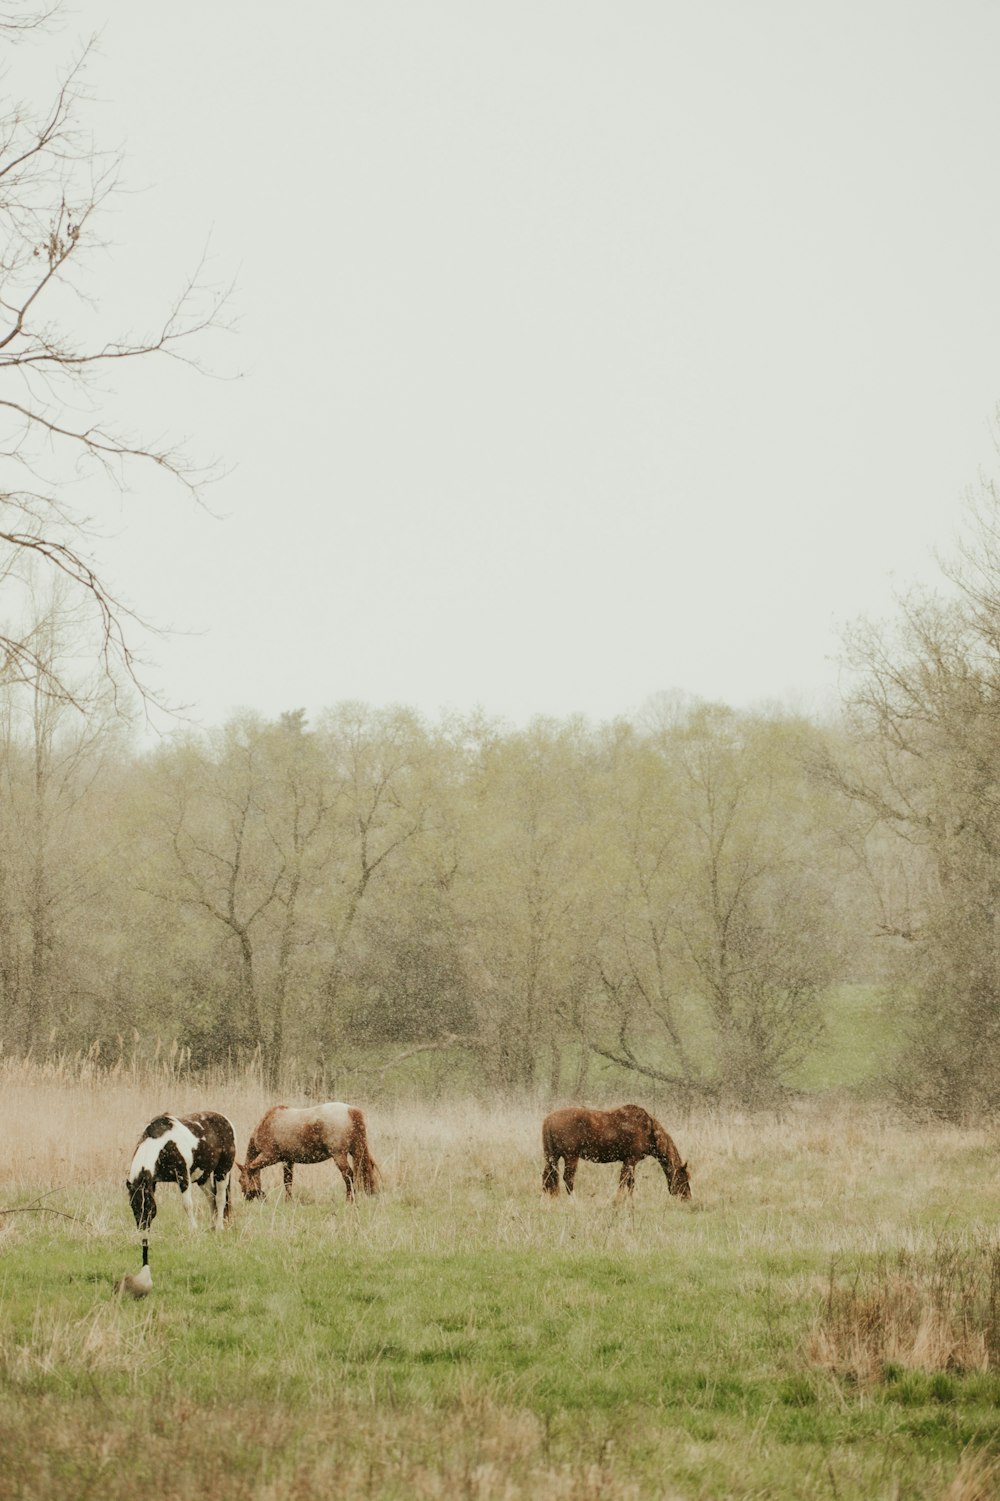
586 350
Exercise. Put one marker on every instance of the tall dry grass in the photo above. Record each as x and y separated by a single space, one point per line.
822 1177
934 1312
70 1122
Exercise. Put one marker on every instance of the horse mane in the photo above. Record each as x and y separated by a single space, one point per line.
665 1144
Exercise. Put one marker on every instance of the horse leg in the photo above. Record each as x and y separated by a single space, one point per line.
626 1180
216 1191
187 1199
570 1165
287 1168
346 1171
220 1198
209 1189
550 1175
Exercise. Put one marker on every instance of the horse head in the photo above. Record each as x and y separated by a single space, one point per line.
249 1182
678 1181
142 1198
669 1159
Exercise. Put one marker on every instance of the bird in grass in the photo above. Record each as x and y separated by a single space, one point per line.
138 1284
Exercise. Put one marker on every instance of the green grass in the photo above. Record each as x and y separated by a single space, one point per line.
461 1336
859 1045
856 1051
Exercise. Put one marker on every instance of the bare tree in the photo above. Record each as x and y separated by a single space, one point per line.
718 946
56 357
378 763
926 719
52 761
520 899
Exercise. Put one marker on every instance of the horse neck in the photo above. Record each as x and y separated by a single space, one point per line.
666 1152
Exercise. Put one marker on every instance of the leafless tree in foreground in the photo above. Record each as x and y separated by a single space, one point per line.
57 438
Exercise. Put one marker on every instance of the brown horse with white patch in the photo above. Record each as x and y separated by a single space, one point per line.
312 1133
625 1135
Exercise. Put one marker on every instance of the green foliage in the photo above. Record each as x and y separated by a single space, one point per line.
859 1045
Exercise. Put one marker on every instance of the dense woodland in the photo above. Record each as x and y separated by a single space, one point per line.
677 893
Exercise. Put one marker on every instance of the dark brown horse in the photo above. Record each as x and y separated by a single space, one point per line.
625 1135
314 1133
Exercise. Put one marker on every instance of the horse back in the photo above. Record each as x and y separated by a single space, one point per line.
635 1120
308 1133
215 1151
598 1135
575 1132
163 1142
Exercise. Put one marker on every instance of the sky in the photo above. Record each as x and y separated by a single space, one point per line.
581 351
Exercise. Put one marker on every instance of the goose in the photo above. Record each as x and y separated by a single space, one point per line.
138 1284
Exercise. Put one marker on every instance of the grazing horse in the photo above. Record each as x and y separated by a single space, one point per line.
188 1149
625 1135
313 1133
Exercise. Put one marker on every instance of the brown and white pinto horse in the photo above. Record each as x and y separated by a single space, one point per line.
625 1135
188 1149
313 1133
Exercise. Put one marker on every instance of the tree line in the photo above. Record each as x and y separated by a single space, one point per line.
674 893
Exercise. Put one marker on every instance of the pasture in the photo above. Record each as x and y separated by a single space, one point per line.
822 1319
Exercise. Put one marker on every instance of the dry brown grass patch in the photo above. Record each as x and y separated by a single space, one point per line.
976 1479
939 1312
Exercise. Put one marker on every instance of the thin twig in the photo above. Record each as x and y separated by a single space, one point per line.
36 1207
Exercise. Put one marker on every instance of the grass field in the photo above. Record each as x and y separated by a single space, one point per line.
823 1319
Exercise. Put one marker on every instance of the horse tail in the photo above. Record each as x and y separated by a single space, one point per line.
366 1169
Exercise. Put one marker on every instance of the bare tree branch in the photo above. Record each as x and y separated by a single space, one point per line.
441 1044
53 184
